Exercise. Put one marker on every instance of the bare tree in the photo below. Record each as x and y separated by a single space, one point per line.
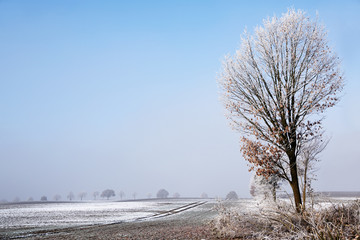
57 197
82 195
275 88
121 195
134 195
149 195
71 196
176 195
43 198
162 193
30 199
108 193
95 194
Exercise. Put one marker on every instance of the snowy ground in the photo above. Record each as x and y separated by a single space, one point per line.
44 216
23 219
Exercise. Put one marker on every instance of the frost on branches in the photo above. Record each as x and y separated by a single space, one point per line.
276 87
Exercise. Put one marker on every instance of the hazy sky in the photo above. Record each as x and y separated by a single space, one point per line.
123 95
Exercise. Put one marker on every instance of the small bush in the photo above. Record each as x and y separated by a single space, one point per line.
230 223
340 221
227 224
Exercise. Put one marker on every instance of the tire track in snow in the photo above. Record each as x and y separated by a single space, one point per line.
172 211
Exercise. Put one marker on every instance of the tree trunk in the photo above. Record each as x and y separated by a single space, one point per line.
295 182
273 189
305 186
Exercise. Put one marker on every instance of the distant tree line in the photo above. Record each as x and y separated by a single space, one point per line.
110 193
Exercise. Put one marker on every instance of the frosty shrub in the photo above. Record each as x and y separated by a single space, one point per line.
337 221
340 221
226 224
232 223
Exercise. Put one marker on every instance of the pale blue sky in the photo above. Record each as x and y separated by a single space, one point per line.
123 95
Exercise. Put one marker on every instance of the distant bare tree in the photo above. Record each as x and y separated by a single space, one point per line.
162 193
134 195
30 199
16 199
3 200
149 195
43 198
108 193
82 195
121 195
71 196
204 195
176 195
95 194
57 197
232 196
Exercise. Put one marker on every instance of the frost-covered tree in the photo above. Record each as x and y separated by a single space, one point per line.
162 193
307 159
108 193
82 195
134 195
95 194
263 188
121 195
204 195
57 197
276 88
232 195
71 196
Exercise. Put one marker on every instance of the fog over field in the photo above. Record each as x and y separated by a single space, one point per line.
123 95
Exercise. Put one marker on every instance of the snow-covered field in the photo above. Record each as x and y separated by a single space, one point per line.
69 214
22 219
